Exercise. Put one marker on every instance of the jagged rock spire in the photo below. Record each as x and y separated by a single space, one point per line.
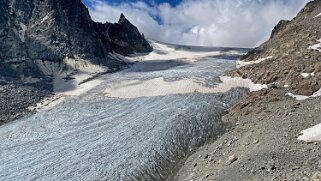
123 19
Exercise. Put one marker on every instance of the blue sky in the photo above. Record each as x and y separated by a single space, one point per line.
151 2
231 23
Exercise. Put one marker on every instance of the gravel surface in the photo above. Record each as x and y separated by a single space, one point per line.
15 99
261 144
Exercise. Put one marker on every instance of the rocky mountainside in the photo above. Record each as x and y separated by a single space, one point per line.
44 43
293 54
38 33
264 140
124 38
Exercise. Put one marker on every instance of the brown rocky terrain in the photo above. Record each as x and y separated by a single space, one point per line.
289 46
261 143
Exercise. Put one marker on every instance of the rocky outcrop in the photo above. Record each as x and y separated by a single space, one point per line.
51 30
295 61
124 37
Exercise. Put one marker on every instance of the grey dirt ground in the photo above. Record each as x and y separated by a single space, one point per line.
261 145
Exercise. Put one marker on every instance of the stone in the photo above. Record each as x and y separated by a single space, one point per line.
195 165
317 67
232 159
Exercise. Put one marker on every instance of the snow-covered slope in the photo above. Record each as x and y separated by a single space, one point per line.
164 51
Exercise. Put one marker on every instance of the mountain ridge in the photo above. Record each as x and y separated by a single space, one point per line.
51 30
290 45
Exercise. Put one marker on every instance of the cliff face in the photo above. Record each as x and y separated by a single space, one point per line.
51 30
124 37
293 47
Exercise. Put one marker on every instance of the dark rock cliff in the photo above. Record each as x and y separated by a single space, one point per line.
124 37
51 30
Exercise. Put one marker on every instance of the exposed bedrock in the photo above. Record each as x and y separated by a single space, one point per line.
51 30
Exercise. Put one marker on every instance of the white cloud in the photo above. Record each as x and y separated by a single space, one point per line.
237 23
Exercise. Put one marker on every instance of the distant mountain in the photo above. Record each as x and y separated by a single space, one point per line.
38 33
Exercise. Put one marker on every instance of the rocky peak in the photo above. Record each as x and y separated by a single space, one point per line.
122 19
125 37
279 27
51 30
309 10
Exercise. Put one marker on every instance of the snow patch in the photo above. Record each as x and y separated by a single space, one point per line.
311 134
302 97
73 87
316 46
73 76
82 70
22 32
317 15
164 51
42 20
47 103
84 66
233 82
306 75
298 97
160 87
240 64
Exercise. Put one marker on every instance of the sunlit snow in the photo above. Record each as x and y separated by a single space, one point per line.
240 64
302 97
316 46
311 134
